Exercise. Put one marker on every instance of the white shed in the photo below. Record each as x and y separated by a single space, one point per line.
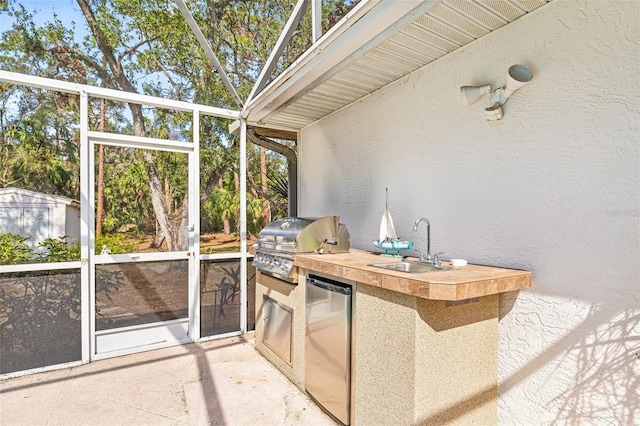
38 216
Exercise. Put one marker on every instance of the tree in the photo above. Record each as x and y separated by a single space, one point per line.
266 208
45 157
145 46
174 228
100 183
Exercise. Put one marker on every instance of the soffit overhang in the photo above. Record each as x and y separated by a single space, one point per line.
374 45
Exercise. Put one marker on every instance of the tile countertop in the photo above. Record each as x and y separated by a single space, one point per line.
451 284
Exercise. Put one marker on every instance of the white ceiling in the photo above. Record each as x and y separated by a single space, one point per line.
377 43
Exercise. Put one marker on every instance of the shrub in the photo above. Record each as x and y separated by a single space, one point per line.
13 250
114 244
57 250
40 310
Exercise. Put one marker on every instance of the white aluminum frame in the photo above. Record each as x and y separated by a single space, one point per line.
114 95
88 139
129 337
208 50
316 20
86 232
243 227
290 27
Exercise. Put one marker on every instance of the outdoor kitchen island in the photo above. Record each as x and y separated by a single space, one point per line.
424 346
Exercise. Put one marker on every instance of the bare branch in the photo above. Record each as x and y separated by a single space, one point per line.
95 65
114 64
167 74
135 47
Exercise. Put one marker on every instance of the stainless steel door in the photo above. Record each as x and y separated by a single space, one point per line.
276 334
328 345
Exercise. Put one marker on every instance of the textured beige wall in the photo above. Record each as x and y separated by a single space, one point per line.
420 361
553 189
415 361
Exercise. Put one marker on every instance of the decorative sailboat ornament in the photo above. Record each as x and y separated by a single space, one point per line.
388 240
387 231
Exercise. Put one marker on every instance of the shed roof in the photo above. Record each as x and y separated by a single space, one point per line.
19 192
377 43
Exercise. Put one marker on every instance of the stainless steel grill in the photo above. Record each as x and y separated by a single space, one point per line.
282 239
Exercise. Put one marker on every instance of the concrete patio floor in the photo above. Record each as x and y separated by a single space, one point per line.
221 382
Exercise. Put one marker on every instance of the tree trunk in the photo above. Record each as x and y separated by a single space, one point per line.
155 185
100 190
226 224
167 194
236 181
179 225
158 202
266 207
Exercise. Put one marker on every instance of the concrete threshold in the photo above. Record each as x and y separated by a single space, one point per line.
220 382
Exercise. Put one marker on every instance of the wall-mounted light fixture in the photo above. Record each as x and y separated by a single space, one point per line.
517 77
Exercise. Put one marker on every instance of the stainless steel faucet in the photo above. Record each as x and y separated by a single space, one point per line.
428 257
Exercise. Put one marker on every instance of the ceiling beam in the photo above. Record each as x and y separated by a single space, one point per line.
270 132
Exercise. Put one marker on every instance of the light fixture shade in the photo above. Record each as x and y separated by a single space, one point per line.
517 77
471 94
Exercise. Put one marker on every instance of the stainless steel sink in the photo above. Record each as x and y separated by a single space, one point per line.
410 267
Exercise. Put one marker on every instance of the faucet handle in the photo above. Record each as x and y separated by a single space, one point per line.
421 256
436 258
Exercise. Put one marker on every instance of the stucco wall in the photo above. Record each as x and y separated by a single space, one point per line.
553 188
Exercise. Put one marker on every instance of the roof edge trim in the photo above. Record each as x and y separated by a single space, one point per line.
361 28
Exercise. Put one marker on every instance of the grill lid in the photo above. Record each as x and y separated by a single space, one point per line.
287 226
279 241
304 235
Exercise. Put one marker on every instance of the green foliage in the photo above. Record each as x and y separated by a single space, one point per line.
159 55
40 310
254 214
38 149
13 250
57 250
127 197
40 314
39 153
114 244
109 223
279 192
